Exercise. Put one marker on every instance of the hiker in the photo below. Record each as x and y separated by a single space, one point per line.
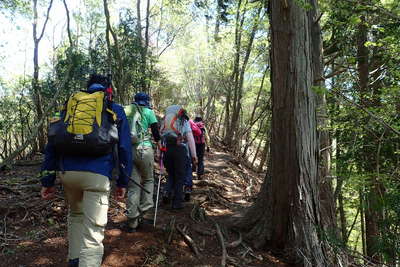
141 117
177 137
84 162
188 184
201 141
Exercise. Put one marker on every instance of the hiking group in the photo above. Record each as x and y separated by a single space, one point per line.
92 136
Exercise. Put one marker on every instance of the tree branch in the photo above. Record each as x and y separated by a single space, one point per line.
45 22
372 115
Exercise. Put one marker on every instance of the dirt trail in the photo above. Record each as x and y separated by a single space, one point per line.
32 231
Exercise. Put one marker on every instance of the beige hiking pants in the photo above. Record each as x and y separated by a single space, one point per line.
87 195
139 201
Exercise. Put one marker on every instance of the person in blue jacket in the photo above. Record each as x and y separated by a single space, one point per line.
86 181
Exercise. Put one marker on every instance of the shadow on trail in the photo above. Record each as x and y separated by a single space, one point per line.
188 237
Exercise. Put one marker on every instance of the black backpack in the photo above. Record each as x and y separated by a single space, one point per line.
87 126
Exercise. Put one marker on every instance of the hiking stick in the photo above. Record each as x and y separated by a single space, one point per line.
158 186
133 181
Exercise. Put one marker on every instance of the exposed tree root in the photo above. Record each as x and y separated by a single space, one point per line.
189 241
207 183
171 228
203 231
235 243
222 242
198 214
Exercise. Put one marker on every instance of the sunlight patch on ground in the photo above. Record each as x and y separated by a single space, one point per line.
43 261
218 211
228 182
55 241
121 204
114 232
115 259
26 243
182 243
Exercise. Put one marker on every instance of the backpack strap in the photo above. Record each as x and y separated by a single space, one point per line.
138 108
174 119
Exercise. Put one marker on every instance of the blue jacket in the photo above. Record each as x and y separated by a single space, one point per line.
102 165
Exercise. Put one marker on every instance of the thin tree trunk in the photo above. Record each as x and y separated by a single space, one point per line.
119 75
219 124
252 121
68 25
257 151
160 24
146 48
217 21
139 21
143 51
342 216
228 137
239 87
324 155
264 156
362 220
37 96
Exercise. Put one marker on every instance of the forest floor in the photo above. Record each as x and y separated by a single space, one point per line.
33 231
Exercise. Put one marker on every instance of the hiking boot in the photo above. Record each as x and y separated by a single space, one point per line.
73 262
148 217
131 225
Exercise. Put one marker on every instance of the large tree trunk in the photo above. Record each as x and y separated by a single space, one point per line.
286 215
369 159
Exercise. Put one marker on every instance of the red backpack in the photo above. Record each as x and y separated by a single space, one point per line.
200 138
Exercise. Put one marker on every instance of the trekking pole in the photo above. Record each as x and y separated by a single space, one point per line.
133 181
158 186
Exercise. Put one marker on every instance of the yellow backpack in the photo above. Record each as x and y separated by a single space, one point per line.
87 126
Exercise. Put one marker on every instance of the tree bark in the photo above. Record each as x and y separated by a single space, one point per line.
324 154
287 213
369 159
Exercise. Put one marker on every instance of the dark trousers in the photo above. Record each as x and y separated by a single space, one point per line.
175 161
200 150
189 176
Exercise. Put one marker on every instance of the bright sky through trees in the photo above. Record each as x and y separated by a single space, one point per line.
16 48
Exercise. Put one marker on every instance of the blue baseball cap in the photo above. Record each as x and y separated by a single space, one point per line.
142 99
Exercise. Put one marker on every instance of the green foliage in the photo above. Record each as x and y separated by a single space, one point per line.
186 64
13 6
